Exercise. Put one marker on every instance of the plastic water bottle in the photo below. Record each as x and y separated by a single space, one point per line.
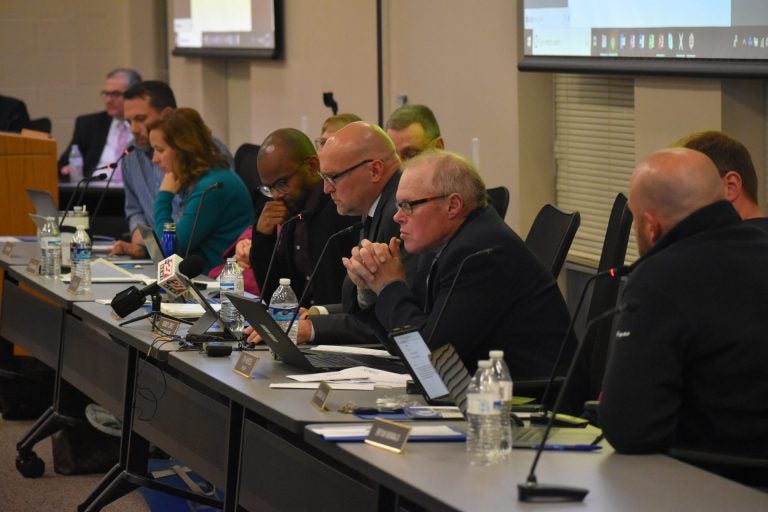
283 306
50 245
231 281
483 418
504 380
80 251
169 242
75 164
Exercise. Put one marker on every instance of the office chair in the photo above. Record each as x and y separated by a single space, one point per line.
551 236
41 124
246 168
498 197
748 470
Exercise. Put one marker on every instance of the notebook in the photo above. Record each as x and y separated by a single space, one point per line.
257 315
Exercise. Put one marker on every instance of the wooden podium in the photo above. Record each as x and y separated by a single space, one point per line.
25 162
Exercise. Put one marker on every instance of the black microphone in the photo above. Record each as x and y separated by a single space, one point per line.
613 273
531 490
131 299
482 252
217 184
299 216
356 226
87 180
113 165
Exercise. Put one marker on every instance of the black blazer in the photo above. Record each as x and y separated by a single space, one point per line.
90 135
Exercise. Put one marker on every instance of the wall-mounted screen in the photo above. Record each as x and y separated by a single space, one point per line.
682 37
228 28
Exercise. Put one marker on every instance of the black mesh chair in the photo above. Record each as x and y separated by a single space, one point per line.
551 236
246 168
498 197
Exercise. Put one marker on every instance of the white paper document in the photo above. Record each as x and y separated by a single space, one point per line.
313 385
358 373
346 431
345 349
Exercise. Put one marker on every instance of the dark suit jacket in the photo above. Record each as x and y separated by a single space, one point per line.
300 246
348 324
13 114
506 300
90 135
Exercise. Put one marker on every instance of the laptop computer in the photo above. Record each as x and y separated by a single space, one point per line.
152 244
257 315
43 203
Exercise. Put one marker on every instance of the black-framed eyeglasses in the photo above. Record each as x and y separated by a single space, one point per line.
280 185
111 94
407 206
332 179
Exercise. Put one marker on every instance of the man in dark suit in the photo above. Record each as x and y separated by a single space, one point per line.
503 300
287 165
13 114
98 135
360 167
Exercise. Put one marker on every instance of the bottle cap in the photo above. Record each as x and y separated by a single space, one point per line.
496 354
284 281
230 260
485 363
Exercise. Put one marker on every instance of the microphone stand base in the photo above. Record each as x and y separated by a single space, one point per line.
549 493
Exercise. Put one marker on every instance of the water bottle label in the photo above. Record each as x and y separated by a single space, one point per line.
50 243
227 286
506 390
281 314
481 403
80 253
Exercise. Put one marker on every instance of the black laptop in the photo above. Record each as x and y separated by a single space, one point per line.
257 315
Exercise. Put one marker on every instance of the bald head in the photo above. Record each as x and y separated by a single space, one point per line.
361 139
287 158
667 187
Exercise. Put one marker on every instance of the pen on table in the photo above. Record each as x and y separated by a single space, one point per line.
571 447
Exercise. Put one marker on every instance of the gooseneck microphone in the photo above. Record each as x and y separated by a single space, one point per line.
112 166
131 299
354 227
86 180
217 184
299 216
482 252
531 490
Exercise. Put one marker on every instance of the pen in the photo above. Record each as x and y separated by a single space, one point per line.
571 447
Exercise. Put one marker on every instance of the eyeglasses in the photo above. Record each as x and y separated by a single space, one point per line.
407 206
332 179
111 94
280 185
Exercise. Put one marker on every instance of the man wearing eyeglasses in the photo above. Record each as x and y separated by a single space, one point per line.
103 136
504 299
288 168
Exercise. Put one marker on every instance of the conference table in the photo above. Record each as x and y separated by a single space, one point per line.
258 444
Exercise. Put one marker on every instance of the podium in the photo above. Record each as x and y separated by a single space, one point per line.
25 162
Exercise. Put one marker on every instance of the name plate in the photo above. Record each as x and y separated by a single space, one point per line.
246 364
8 248
389 435
167 326
74 284
33 267
320 398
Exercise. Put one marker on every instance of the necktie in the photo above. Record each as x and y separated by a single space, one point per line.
122 141
366 231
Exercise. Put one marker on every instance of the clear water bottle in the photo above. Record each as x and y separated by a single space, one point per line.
483 418
50 246
75 164
231 281
169 242
283 307
80 251
504 380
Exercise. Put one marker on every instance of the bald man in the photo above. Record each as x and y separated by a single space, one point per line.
360 170
689 366
288 169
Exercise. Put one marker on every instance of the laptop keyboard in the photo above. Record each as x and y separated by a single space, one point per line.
327 360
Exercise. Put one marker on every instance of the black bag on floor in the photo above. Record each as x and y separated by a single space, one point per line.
26 387
83 449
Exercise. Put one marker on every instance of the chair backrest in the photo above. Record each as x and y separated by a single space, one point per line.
551 236
499 199
246 168
606 291
41 124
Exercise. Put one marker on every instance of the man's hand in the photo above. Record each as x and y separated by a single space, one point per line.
304 335
274 213
135 251
243 253
170 183
375 265
66 170
252 336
